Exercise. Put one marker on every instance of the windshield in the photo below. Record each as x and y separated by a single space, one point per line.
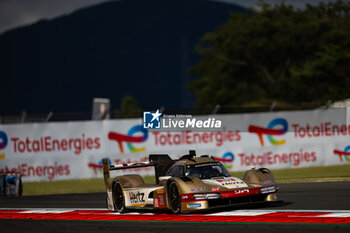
207 171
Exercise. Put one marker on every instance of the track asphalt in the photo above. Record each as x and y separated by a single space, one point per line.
296 196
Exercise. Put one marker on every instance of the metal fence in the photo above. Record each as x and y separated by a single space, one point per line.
25 117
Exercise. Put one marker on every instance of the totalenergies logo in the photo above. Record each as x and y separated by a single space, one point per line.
226 159
98 168
129 138
3 143
270 131
345 154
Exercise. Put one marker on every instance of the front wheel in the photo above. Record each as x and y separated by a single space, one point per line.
174 199
118 198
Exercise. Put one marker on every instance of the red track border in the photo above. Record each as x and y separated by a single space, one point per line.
272 217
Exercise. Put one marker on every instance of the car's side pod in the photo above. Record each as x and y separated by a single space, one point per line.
261 176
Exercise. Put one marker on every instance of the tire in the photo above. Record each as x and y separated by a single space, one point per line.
174 199
20 187
118 198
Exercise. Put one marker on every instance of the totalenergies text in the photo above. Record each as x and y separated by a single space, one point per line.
49 144
271 158
189 138
326 129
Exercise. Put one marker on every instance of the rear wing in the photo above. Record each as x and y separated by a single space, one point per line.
160 162
112 167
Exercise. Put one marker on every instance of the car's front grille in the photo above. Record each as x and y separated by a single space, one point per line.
235 200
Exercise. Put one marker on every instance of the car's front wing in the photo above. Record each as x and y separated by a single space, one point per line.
198 201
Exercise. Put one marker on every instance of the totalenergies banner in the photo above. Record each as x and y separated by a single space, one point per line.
74 150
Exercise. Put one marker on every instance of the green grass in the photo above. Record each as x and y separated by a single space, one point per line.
330 173
63 186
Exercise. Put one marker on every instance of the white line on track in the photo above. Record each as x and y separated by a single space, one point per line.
336 215
131 213
308 211
58 209
241 213
44 211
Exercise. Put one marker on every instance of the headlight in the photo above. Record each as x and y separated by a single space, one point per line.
204 196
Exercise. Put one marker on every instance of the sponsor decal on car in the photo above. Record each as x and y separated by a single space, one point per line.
160 191
137 198
161 200
230 183
198 189
266 182
270 189
242 191
196 205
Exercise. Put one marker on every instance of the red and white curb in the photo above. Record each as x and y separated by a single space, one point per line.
237 216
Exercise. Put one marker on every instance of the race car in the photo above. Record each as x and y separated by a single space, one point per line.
11 183
190 183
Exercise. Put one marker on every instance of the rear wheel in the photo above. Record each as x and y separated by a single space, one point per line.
174 197
118 198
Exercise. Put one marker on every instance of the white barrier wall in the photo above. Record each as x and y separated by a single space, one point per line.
71 150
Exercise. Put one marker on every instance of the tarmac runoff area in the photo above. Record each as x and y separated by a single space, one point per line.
304 207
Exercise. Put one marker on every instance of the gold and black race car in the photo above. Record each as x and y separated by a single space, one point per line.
187 184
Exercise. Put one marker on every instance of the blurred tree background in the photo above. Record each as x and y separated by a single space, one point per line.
276 54
129 108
